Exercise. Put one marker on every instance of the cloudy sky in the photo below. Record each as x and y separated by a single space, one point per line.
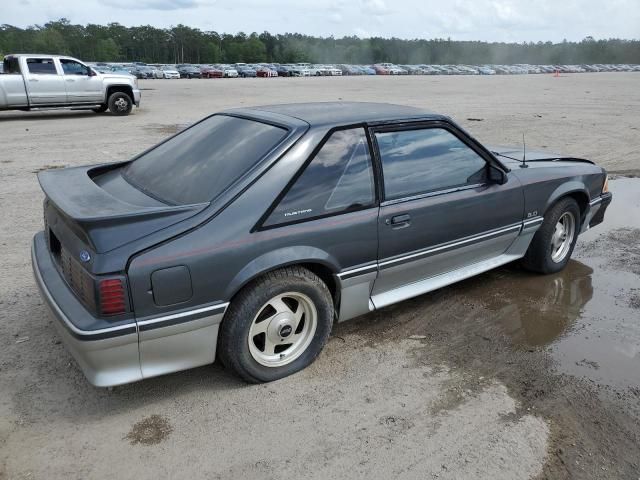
499 20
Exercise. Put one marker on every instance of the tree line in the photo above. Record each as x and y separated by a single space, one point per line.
183 44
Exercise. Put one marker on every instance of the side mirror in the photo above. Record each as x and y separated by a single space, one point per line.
497 176
91 73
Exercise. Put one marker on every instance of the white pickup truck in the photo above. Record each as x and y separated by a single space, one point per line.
52 81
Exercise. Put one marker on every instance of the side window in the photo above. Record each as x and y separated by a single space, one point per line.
426 160
11 66
70 67
41 66
338 179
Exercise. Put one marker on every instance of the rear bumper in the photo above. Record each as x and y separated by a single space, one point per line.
106 353
114 354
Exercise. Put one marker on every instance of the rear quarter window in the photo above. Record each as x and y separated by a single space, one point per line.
338 179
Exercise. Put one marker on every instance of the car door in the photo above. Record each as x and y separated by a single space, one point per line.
332 207
82 83
44 81
441 209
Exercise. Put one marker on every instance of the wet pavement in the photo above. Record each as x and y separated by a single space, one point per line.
587 317
567 346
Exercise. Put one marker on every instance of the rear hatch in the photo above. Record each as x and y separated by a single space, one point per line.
89 211
102 209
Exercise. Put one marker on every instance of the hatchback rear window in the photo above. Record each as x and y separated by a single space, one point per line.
200 163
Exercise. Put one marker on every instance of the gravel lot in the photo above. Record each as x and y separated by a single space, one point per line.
507 375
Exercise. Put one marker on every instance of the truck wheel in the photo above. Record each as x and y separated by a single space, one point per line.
277 325
120 103
553 243
100 109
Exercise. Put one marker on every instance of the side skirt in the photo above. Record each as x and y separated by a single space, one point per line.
356 284
514 252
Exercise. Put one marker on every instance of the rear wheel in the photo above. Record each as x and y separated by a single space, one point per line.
553 243
120 103
277 325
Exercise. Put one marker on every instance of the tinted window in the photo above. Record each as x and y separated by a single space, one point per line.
419 161
70 67
11 66
338 179
201 162
41 66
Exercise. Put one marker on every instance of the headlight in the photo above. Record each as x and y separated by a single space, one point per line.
605 187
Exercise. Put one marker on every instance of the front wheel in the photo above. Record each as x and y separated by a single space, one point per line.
120 103
277 325
553 243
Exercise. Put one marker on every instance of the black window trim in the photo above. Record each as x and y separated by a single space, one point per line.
260 226
425 125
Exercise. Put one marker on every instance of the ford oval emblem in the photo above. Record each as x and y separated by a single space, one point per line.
85 256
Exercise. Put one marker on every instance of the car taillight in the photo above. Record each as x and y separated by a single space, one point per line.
605 187
112 298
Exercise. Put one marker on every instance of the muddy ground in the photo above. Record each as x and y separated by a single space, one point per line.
506 375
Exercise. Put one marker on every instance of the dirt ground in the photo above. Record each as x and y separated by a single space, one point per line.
506 375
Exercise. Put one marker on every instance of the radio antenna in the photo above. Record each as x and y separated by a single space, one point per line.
524 153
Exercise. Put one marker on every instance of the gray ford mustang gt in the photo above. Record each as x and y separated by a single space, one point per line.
248 234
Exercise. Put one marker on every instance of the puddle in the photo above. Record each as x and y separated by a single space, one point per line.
588 315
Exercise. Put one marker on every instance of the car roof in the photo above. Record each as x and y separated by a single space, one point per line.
343 113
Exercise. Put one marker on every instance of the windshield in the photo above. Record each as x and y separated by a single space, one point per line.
203 161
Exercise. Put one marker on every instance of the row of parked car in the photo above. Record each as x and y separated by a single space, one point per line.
147 71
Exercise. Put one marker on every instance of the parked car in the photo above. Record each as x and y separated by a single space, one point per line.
247 234
245 71
366 70
265 71
284 71
208 71
229 71
138 72
53 81
170 71
151 72
485 70
412 69
189 71
298 70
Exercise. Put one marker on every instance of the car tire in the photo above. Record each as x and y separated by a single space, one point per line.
276 325
100 109
553 243
120 104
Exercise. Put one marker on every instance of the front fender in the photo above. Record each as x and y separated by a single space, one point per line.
566 188
278 259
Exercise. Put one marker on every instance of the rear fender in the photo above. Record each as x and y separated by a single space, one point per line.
277 259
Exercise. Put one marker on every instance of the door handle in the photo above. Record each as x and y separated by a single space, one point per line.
399 221
71 80
33 79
